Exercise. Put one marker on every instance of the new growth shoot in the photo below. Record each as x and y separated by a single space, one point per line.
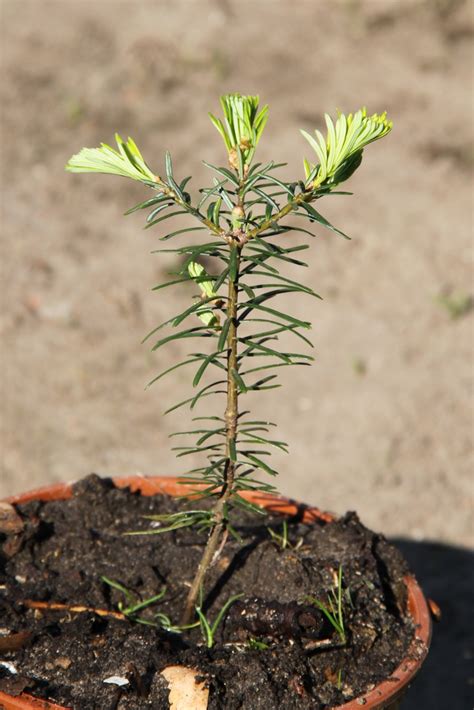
133 606
209 630
244 216
333 610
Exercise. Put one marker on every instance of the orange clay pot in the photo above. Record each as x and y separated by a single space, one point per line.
385 696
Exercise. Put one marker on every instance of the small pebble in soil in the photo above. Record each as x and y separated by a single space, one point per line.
116 680
10 521
9 666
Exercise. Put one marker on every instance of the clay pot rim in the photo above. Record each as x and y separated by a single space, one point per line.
386 692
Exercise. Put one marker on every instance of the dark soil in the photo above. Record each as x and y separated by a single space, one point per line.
64 547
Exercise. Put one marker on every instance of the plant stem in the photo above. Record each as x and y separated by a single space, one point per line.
289 207
167 190
231 418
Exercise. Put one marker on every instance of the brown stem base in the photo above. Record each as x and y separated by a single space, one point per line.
206 559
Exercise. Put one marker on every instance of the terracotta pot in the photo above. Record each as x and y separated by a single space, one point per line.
384 696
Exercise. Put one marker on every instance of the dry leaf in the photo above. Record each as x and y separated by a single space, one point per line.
185 692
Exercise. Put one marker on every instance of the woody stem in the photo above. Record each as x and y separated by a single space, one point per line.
231 417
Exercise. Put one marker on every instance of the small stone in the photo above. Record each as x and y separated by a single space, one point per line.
361 701
10 521
116 680
9 666
98 641
223 563
63 662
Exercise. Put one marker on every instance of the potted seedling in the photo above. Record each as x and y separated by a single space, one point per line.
247 599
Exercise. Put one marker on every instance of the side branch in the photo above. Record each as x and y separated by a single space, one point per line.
290 206
172 194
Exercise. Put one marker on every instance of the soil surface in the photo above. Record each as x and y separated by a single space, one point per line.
274 648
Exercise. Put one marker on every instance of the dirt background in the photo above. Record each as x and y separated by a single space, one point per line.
382 423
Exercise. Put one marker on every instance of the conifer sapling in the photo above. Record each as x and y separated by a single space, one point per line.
244 216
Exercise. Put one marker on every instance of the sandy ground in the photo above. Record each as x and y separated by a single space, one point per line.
383 421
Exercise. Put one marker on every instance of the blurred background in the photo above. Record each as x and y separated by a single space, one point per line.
383 421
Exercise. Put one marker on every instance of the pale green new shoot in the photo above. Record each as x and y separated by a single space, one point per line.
127 161
340 153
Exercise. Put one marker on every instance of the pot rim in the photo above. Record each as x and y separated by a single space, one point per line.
388 691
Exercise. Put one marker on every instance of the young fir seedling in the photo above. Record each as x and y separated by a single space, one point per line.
243 215
333 610
133 606
281 539
209 630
